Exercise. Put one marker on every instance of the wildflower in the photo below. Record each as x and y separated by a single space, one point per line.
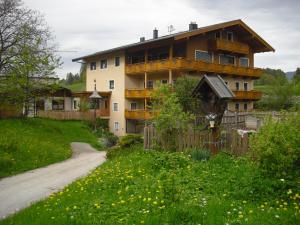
53 217
289 192
241 216
276 216
282 180
250 211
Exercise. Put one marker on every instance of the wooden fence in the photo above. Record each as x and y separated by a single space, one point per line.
229 141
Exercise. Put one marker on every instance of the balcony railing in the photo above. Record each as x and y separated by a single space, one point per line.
138 93
229 46
247 95
191 65
146 93
138 114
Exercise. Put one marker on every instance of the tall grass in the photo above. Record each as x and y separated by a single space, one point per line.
26 144
147 187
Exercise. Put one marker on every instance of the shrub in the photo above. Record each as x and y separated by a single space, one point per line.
276 147
199 154
111 139
130 139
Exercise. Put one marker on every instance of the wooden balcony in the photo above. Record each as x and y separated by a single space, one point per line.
138 114
229 46
191 65
247 95
138 93
102 112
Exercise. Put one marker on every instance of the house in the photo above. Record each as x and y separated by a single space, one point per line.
131 71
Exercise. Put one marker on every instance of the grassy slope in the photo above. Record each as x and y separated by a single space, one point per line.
31 143
162 188
76 87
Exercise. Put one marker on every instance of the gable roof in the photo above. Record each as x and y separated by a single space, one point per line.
187 34
217 84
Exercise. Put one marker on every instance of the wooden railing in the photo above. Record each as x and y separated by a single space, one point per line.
229 46
250 95
191 65
73 115
138 114
146 93
138 93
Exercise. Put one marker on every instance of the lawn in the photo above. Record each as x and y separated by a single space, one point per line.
27 144
76 87
150 187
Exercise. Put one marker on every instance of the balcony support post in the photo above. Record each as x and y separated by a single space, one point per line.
170 76
146 80
171 52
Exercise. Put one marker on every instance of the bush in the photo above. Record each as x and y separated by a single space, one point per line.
130 139
276 147
111 139
199 154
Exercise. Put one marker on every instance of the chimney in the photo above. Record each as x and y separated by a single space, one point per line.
155 33
193 26
142 39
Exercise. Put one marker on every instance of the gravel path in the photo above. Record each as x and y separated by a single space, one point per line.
19 191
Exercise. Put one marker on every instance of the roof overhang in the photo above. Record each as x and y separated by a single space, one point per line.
265 47
218 86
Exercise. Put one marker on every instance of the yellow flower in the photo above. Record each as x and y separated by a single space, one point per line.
241 216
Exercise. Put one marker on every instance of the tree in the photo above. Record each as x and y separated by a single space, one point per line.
169 118
296 77
183 88
27 53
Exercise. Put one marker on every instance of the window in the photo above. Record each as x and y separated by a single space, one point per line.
245 86
229 36
117 61
111 84
164 81
218 34
93 66
103 64
244 62
237 106
237 86
203 56
58 104
245 106
116 126
150 84
115 107
227 59
75 104
133 106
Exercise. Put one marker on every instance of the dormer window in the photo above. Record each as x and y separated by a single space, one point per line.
229 36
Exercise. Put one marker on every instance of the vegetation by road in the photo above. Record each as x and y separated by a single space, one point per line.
27 144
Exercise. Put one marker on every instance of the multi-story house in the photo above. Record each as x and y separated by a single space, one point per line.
130 72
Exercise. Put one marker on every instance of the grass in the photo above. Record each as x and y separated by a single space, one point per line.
27 144
76 87
148 187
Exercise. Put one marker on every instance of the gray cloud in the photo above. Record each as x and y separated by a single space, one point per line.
94 25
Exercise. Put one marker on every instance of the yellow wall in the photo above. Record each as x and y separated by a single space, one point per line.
102 77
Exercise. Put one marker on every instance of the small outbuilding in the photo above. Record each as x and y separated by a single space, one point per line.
214 95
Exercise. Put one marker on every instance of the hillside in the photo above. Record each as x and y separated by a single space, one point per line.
27 144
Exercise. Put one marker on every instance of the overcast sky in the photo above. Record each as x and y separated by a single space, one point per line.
87 26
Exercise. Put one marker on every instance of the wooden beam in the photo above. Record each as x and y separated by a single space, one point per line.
170 76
